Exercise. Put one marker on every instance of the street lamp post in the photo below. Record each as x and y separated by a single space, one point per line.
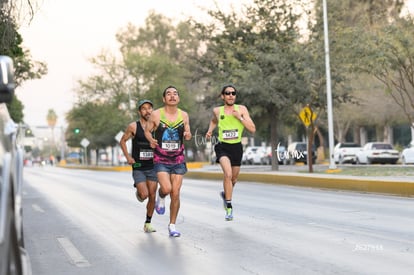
328 88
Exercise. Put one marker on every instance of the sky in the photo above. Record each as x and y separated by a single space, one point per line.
65 34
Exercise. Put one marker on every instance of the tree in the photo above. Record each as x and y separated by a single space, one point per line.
260 52
391 62
16 110
97 122
350 22
11 45
156 56
153 57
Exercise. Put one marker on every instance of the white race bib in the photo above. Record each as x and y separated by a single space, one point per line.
146 154
170 145
230 134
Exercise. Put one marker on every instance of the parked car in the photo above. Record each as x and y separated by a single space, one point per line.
298 152
377 152
74 158
281 154
267 158
13 256
407 155
253 155
345 152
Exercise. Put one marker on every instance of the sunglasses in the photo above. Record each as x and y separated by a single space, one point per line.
230 93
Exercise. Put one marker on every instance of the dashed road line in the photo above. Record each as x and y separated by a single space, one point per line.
75 256
38 208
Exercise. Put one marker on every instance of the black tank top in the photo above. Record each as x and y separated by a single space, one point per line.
141 150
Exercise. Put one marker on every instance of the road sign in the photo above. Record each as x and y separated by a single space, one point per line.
84 142
307 116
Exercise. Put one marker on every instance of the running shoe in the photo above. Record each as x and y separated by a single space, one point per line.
138 197
160 205
229 214
224 200
148 228
173 232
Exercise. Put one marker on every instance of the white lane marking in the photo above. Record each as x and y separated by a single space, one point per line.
38 208
73 253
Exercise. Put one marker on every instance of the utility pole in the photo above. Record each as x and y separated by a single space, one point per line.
328 88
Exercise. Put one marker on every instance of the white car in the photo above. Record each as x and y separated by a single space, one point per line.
377 152
407 155
253 155
345 152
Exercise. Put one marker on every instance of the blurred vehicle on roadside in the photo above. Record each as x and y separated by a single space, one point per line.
407 155
267 156
74 158
298 152
253 155
345 152
280 156
378 152
14 259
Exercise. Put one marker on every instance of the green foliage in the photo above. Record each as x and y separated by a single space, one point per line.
350 22
386 54
154 57
16 110
263 51
260 52
99 123
11 45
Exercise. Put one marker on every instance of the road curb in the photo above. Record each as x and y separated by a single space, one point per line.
399 188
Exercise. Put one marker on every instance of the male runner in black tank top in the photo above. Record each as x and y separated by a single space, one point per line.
141 160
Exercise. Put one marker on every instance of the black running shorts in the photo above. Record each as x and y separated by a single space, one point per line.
233 151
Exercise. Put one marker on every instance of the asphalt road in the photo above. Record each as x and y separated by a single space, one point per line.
89 222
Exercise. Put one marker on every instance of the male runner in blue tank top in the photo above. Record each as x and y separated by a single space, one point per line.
231 120
166 130
141 160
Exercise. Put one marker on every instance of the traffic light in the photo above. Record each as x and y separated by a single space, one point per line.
76 131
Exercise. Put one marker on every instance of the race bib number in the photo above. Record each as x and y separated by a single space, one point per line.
146 154
170 145
230 134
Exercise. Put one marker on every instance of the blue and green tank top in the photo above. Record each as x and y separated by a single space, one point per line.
169 134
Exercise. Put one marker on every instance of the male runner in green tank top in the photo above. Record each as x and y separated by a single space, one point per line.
231 120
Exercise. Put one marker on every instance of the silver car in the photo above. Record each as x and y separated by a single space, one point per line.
13 257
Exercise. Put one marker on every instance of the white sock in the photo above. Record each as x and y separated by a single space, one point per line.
171 226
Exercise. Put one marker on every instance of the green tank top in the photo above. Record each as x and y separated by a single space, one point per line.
230 129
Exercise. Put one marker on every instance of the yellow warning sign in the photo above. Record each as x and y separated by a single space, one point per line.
307 116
